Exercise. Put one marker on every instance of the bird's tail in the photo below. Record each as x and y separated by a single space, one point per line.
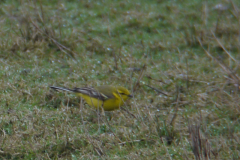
61 88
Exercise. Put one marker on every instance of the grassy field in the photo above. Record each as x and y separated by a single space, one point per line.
180 59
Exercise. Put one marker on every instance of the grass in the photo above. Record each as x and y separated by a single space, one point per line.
179 59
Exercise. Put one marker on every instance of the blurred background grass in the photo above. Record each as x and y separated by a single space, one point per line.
179 59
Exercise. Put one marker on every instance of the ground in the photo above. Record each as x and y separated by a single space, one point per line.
178 58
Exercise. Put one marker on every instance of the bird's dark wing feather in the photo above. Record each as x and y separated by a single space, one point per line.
91 92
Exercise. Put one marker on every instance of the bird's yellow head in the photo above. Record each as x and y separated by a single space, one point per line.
123 92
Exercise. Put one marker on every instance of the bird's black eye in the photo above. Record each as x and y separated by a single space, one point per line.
122 93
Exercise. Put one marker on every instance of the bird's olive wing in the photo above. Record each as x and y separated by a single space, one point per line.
92 93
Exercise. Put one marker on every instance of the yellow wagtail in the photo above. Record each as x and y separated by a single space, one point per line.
107 97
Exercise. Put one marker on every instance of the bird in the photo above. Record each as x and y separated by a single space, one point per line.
107 97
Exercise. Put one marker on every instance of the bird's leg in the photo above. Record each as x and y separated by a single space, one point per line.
100 112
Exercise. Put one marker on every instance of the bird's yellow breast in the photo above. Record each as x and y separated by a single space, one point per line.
107 105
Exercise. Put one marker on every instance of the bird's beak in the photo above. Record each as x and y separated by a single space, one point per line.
130 95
